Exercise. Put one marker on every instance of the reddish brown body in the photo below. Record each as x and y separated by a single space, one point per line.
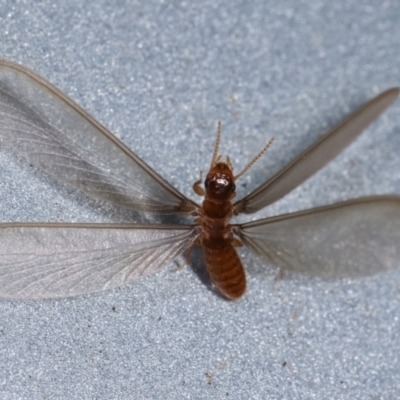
222 261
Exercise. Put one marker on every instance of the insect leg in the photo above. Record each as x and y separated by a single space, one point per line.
197 242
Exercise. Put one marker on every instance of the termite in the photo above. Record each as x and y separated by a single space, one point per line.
47 260
222 261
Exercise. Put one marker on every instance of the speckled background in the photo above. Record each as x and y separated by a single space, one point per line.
160 75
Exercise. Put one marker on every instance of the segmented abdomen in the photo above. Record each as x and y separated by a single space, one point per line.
225 268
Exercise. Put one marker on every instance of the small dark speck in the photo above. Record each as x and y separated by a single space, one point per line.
284 364
236 114
244 184
114 309
159 318
89 326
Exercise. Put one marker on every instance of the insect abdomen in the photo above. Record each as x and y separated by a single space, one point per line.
225 268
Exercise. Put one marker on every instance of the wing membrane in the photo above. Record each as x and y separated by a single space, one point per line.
58 260
349 239
317 155
51 132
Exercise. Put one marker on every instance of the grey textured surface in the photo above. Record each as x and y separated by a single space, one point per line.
161 74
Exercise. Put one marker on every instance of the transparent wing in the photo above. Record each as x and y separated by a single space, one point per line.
353 238
57 260
317 155
51 132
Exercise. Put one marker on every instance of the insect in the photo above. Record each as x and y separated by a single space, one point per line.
47 260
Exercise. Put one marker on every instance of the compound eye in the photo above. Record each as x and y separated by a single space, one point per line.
233 187
206 183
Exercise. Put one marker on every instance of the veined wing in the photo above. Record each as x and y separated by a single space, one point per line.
57 260
348 239
51 132
317 155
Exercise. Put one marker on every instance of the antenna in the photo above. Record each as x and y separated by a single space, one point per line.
216 146
256 158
